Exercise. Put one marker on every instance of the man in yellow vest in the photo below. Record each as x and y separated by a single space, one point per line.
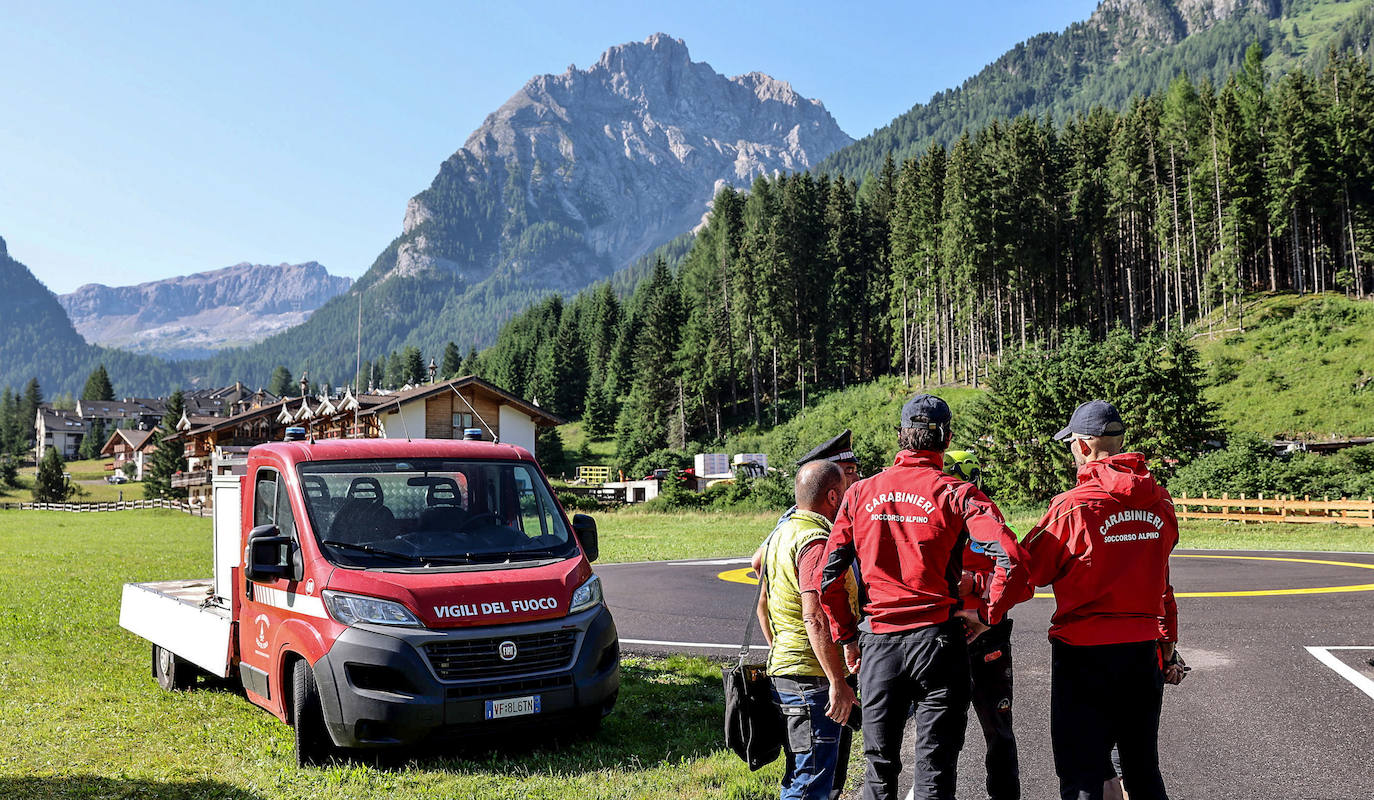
810 679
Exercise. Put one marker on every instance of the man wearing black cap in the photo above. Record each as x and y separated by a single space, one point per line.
1104 546
906 528
838 450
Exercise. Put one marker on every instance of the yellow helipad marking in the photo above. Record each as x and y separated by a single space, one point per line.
746 575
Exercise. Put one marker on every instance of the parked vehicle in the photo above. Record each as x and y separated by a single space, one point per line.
379 592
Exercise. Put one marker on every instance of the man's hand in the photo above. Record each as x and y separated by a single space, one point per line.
756 560
1176 671
851 657
973 625
966 586
842 702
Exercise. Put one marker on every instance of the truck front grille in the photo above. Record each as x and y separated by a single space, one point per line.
469 659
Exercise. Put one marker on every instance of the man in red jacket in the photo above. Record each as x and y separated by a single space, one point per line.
1104 546
906 528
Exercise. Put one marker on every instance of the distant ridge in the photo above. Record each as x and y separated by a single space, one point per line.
192 316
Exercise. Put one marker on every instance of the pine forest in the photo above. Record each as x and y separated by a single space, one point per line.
1148 219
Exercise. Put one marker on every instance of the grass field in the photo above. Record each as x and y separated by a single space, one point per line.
84 719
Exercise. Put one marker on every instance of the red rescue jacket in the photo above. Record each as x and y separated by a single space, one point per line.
906 527
1104 545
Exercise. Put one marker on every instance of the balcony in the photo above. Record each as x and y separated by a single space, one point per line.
197 477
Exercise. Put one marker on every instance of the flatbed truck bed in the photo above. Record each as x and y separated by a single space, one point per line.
183 617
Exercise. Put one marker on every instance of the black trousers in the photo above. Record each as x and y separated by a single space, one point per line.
926 668
1100 695
989 660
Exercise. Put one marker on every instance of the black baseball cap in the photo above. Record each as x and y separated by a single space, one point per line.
925 411
1093 418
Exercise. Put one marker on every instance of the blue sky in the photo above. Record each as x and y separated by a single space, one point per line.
143 140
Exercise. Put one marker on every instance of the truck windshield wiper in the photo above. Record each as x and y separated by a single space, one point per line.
367 548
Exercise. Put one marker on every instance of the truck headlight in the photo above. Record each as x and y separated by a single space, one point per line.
351 609
586 596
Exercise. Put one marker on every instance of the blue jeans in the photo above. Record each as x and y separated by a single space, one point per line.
813 743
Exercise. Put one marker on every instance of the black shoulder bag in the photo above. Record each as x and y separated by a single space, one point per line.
753 725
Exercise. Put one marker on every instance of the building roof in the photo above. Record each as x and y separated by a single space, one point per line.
301 409
134 439
394 401
127 408
55 419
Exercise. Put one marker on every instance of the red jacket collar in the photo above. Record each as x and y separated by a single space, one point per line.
921 458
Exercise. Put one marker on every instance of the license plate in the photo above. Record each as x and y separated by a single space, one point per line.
513 707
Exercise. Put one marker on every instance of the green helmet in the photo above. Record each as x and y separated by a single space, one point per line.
964 464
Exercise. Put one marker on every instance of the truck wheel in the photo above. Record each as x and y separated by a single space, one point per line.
173 673
313 745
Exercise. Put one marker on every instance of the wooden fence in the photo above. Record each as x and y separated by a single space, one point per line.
1277 509
126 505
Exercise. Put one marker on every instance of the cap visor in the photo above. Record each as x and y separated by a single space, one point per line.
1064 434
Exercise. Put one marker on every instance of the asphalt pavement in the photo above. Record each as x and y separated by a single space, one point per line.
1280 702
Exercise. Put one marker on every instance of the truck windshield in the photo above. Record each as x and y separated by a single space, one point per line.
432 513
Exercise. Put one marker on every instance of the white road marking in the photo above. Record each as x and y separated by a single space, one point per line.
692 644
1323 654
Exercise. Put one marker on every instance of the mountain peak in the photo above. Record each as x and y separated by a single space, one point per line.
659 47
578 174
4 252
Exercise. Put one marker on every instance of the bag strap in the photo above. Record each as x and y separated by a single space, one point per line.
753 613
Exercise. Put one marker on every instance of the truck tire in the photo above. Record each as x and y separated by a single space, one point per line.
173 673
313 745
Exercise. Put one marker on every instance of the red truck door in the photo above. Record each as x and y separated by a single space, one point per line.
269 604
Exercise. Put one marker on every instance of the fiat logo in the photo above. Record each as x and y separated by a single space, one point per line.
506 650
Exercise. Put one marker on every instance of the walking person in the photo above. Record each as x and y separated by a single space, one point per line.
907 529
1104 547
810 680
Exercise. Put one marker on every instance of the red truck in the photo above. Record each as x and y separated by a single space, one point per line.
376 593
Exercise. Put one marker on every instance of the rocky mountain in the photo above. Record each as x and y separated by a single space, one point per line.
580 173
574 177
1125 49
194 315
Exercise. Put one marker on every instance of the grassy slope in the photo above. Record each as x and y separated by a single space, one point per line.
1302 367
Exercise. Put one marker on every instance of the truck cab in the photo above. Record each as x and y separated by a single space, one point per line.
383 592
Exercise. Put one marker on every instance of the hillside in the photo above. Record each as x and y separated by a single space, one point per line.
39 341
192 316
1126 49
1301 368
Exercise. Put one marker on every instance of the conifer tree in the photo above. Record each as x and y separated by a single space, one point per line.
281 383
167 458
98 386
452 362
93 440
51 485
470 365
28 411
9 423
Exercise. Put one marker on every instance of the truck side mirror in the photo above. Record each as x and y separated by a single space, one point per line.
585 528
267 555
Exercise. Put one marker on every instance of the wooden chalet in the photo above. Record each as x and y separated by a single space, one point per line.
440 410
